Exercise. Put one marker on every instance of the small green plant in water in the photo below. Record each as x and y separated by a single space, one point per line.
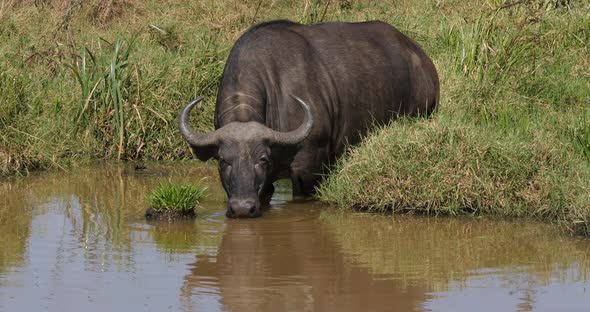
175 197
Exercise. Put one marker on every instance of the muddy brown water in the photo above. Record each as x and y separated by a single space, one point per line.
78 241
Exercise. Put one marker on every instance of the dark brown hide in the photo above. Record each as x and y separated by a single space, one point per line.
350 74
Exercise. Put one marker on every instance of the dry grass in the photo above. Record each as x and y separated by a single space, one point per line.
104 12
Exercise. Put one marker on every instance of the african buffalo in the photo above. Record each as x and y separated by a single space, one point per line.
293 96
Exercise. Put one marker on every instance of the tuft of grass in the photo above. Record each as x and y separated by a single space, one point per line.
488 52
167 37
180 197
106 11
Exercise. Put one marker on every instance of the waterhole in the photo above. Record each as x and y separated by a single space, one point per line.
78 241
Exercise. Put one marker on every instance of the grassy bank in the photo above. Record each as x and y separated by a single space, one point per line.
88 79
512 136
83 80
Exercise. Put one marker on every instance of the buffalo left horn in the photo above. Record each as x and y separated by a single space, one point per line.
297 135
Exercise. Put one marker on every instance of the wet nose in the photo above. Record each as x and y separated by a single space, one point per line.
242 209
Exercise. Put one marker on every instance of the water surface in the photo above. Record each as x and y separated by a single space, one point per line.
78 241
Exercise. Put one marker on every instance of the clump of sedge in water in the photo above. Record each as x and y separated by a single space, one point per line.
174 201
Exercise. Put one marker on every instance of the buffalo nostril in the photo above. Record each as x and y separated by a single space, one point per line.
242 208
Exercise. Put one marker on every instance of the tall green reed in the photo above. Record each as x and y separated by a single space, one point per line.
105 84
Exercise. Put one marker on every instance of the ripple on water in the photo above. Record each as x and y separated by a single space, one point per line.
79 240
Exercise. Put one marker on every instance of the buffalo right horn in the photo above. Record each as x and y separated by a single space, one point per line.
193 137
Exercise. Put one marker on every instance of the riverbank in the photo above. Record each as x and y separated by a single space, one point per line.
511 138
87 80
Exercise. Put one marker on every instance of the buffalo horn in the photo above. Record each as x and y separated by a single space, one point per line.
299 134
194 138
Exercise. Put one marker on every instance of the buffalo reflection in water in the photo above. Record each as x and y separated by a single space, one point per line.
283 265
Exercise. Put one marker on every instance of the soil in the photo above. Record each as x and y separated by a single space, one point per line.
169 215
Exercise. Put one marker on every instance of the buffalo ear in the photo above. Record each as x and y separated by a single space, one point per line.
204 153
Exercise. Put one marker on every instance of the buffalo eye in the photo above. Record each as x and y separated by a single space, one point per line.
264 161
223 163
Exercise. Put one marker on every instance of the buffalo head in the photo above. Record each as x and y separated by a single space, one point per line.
243 153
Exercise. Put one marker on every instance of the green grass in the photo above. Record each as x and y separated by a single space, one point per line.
79 84
105 80
511 137
180 197
437 167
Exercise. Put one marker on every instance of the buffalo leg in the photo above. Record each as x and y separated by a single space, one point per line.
266 194
304 185
306 171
